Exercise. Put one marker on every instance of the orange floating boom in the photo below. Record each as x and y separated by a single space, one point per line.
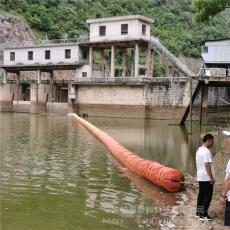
168 178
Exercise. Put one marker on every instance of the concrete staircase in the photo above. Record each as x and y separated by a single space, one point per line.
161 49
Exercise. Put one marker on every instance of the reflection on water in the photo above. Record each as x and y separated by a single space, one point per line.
56 175
153 139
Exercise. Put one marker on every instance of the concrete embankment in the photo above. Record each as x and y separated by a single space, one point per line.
162 99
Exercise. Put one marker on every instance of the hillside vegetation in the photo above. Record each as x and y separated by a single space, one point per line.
173 19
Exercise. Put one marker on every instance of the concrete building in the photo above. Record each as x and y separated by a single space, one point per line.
44 57
132 27
106 35
111 73
215 54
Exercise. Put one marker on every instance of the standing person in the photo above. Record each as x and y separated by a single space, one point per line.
205 177
225 194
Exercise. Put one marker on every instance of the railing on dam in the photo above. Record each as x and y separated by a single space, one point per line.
33 81
128 80
12 44
112 80
97 80
217 72
118 80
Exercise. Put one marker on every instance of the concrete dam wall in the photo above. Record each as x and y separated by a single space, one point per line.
165 99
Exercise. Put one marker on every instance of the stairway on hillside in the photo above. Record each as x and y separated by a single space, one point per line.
160 48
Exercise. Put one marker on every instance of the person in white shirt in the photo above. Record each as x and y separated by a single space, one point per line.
205 177
225 194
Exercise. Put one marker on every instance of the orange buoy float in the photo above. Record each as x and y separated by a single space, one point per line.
168 178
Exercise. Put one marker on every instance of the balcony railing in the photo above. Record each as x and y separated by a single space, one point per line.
81 39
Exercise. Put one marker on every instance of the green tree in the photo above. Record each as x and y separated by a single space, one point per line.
173 18
207 9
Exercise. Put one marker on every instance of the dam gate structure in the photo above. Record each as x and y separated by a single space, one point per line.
108 73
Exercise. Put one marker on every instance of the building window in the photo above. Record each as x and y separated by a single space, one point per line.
124 28
67 53
84 54
12 56
84 74
143 29
205 49
47 54
30 55
102 30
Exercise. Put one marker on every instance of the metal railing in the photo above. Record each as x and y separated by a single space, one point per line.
112 80
81 39
102 80
171 57
214 72
128 80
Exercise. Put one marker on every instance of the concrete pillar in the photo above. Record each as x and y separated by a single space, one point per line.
4 77
136 60
112 71
102 62
204 103
52 86
204 98
38 97
149 61
90 61
124 63
18 78
6 97
18 86
77 73
39 76
72 98
132 63
152 63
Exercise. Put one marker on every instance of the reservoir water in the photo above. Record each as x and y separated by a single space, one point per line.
56 175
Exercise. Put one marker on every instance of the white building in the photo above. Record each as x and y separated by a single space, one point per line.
60 54
216 56
120 28
113 34
217 52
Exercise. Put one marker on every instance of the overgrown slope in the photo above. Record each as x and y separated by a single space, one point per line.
173 19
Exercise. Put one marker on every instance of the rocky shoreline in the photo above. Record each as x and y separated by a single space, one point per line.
185 218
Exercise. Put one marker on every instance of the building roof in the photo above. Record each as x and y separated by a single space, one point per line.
39 46
121 18
215 40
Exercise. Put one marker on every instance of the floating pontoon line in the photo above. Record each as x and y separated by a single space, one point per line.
168 178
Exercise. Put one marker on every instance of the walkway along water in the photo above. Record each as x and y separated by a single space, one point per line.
168 178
